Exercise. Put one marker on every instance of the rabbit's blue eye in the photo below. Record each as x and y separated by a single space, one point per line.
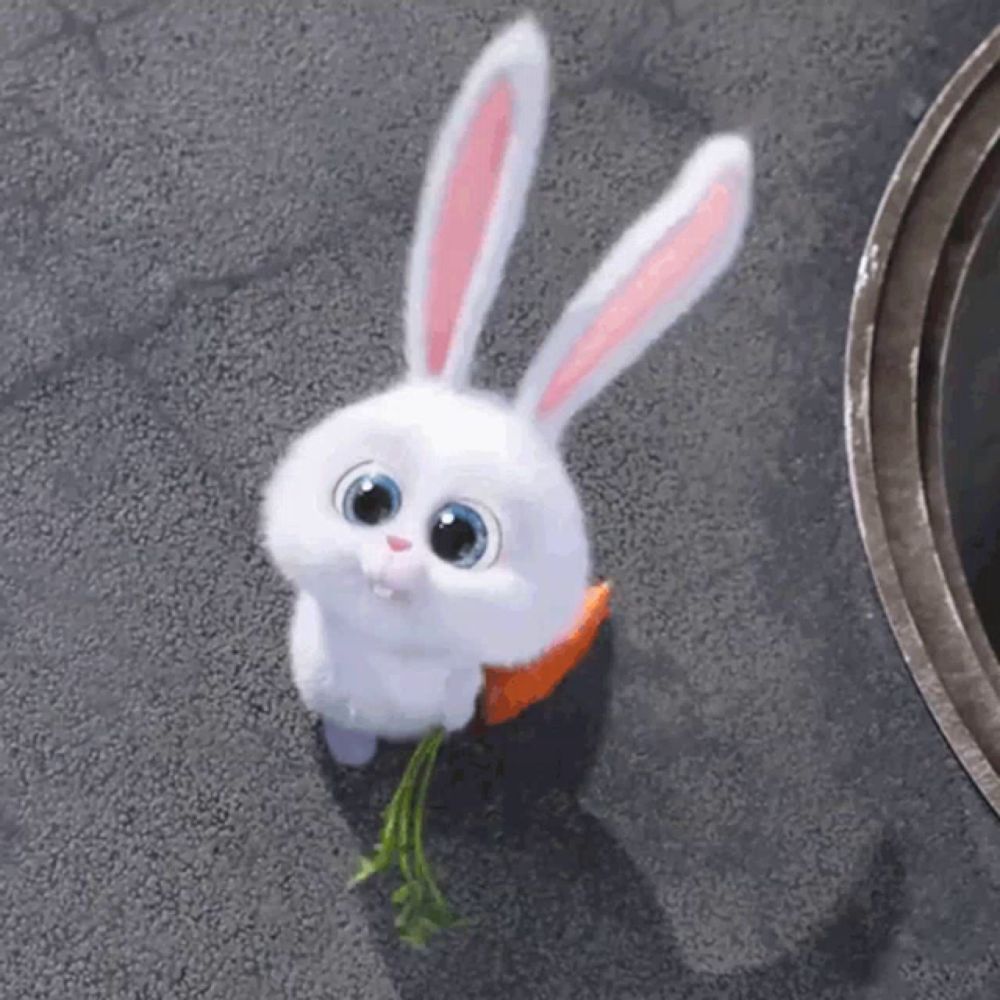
461 536
371 499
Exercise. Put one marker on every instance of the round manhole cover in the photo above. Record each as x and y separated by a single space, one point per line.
923 410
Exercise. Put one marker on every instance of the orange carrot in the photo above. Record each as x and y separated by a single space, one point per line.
508 692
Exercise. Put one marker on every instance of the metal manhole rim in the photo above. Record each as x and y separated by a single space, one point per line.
942 121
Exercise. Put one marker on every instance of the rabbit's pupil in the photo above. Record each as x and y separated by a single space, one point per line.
459 535
371 500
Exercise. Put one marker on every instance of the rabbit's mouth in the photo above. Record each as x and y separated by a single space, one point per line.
387 589
393 578
385 592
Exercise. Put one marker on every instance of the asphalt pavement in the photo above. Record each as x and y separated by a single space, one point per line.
204 214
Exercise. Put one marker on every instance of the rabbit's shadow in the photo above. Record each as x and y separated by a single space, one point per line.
558 907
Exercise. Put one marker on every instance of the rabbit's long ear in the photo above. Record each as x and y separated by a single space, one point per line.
473 200
656 271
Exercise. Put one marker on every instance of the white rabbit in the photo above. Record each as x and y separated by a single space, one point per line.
432 529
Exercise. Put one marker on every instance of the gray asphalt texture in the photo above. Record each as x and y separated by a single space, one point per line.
204 213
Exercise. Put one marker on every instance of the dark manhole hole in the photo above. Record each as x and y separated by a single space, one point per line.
923 410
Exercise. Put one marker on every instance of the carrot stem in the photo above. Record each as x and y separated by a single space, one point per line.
405 809
420 812
421 907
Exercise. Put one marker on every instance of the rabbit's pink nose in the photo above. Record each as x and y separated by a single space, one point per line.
398 544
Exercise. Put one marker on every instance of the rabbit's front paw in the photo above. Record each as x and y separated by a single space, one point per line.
460 701
350 747
459 719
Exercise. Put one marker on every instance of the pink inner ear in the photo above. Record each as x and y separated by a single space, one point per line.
469 196
675 260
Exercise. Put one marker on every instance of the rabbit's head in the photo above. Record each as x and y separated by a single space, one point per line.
435 517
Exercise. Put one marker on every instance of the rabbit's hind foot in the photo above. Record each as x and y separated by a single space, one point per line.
350 747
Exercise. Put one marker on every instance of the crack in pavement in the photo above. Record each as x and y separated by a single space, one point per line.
76 29
625 73
119 345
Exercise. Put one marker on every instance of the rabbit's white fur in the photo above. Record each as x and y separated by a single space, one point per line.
389 640
397 666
